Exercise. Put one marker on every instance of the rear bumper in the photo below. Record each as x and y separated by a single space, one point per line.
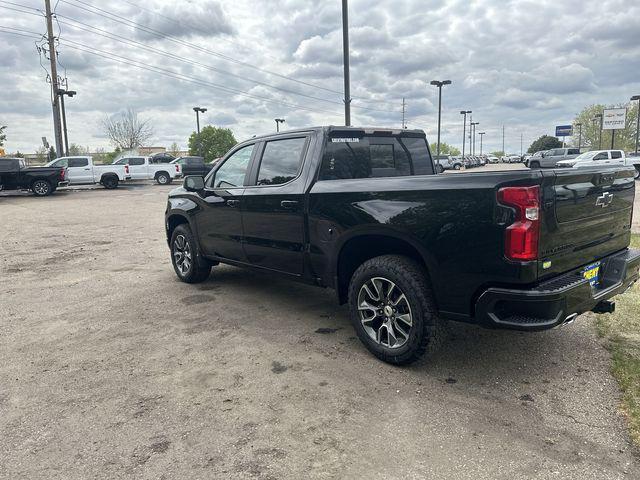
560 299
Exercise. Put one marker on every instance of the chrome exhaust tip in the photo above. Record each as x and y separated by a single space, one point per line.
570 319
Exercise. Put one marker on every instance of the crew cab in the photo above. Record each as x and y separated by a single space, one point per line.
144 168
605 158
82 171
42 181
363 212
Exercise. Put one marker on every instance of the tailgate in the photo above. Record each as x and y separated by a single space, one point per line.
586 216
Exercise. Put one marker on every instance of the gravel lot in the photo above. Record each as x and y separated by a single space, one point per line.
112 368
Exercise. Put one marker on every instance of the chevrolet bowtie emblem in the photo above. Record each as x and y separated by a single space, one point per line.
604 200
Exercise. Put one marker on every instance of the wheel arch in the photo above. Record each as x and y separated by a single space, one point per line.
173 220
362 246
108 175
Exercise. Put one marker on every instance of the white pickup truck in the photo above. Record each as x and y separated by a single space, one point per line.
144 168
609 158
82 171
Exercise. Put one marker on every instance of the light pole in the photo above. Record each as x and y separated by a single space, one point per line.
637 97
464 130
198 111
579 125
473 134
481 135
278 122
62 93
345 61
599 116
439 84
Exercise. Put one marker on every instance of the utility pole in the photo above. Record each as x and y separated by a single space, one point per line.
579 125
345 60
57 130
599 116
198 111
520 144
503 152
473 129
481 135
61 94
403 110
464 127
439 85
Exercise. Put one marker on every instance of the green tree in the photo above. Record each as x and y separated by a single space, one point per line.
498 153
3 136
545 142
445 149
213 142
52 154
75 149
624 138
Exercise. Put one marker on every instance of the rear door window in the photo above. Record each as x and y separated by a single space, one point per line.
281 161
375 157
78 162
136 161
601 156
616 154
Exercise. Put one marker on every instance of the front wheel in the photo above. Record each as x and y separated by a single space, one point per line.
534 165
41 188
439 168
188 265
392 309
457 166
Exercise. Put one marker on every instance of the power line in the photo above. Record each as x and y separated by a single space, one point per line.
120 19
124 21
144 66
103 33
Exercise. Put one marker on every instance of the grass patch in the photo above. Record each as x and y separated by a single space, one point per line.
622 331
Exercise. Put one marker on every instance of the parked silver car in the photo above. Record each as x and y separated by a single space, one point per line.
550 158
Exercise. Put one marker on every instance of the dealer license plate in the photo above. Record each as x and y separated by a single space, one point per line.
592 273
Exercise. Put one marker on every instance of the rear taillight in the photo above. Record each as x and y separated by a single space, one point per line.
63 172
177 168
126 169
521 237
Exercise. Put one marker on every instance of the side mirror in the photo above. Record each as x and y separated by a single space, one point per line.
193 183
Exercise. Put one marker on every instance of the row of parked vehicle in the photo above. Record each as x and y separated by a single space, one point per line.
458 162
82 170
572 158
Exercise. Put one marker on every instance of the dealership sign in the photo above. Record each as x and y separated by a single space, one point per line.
614 119
564 130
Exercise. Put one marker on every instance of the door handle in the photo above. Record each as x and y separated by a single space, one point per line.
87 169
233 203
288 203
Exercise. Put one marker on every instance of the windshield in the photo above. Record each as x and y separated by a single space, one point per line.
586 156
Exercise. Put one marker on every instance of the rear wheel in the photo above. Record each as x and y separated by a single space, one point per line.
41 188
110 182
457 166
439 168
163 178
392 309
188 265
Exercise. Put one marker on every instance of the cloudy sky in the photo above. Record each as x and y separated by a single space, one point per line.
529 65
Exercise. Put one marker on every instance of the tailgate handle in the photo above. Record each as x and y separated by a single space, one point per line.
233 203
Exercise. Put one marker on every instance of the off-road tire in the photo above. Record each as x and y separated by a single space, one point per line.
200 268
427 331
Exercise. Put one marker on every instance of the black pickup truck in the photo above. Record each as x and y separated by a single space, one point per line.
42 181
361 211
